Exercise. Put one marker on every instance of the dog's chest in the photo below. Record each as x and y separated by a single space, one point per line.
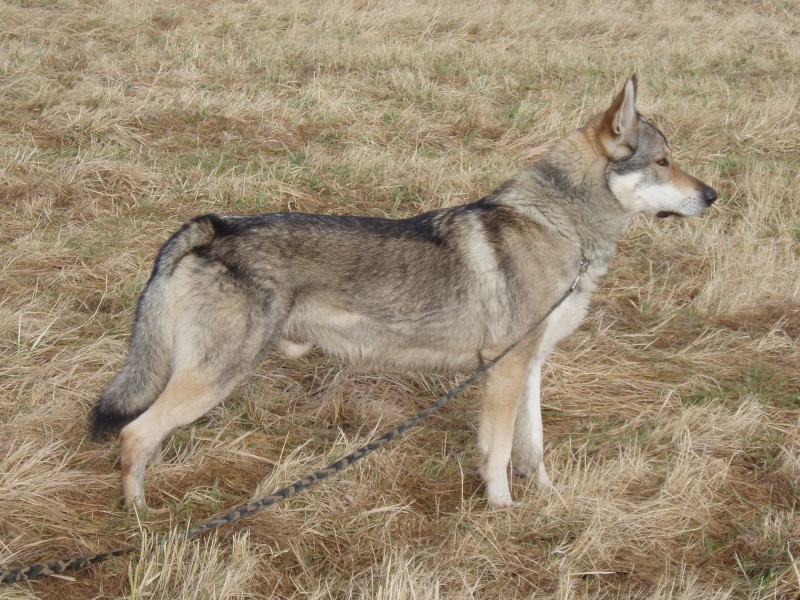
567 318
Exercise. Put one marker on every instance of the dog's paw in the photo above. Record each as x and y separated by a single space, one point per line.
542 480
502 502
499 494
137 506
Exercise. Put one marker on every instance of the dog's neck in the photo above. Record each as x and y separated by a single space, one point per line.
596 217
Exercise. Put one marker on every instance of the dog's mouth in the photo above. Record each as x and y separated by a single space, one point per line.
663 214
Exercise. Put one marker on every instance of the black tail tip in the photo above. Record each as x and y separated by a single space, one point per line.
104 425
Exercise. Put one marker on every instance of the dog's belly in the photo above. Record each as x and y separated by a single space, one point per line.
416 342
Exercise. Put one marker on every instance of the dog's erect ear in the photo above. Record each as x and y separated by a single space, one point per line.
619 132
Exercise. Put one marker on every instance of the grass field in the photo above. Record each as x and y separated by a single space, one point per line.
671 416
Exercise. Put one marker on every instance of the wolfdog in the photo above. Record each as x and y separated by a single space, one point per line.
448 289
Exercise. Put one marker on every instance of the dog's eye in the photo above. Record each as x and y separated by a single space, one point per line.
662 162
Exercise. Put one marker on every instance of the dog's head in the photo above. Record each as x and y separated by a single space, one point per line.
641 173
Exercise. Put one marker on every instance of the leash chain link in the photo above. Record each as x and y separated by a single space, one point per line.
54 567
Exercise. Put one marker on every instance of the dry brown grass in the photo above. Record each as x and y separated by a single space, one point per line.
671 417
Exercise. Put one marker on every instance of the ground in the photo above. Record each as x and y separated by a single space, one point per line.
671 416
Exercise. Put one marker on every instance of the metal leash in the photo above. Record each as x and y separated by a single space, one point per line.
54 567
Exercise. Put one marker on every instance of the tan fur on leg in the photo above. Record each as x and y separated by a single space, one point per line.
503 389
188 396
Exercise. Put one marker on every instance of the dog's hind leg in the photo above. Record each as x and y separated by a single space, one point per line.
221 330
149 364
504 385
529 430
189 394
192 391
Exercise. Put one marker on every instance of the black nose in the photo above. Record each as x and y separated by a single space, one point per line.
710 195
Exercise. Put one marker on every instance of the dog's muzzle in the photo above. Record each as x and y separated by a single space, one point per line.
709 195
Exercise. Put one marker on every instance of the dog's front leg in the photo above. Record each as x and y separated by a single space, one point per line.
529 430
496 434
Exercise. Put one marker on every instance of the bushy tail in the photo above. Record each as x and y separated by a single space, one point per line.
148 366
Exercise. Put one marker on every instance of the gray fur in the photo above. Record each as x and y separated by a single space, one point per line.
444 290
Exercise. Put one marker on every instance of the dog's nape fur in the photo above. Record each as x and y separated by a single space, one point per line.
226 288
